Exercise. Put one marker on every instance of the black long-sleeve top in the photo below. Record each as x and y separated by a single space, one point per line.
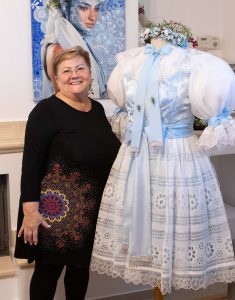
67 158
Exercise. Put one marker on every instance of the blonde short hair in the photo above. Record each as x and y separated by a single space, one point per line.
71 53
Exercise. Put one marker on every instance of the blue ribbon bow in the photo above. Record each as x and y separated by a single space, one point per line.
147 90
215 121
150 50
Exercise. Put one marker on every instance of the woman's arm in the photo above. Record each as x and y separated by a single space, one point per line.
40 130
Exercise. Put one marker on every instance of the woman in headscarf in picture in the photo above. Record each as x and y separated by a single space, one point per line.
69 24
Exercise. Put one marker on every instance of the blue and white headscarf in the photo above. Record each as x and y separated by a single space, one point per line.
70 9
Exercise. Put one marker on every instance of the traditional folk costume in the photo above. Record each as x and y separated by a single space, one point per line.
162 220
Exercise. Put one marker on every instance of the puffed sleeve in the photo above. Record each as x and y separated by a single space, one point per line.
115 90
128 63
212 97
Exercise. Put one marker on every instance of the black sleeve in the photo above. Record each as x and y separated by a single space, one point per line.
40 129
103 115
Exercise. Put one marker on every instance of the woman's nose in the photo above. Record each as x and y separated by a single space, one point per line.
74 73
92 14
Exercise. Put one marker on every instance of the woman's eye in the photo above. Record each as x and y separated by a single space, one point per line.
83 8
66 72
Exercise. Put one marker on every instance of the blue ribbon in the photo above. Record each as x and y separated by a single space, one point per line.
215 121
147 90
176 131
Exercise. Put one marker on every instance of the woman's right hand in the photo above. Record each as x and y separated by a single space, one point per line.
32 219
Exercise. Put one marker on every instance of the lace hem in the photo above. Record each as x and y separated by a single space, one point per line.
163 281
215 139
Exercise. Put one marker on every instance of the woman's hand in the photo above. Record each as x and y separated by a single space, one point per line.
32 219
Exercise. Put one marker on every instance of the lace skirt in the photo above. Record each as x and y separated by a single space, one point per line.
162 220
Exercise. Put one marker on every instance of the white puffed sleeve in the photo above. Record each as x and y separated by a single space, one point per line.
212 97
115 90
128 64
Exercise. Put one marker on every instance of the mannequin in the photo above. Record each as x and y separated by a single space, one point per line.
162 220
158 43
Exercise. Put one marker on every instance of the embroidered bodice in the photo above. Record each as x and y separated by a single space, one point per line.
190 83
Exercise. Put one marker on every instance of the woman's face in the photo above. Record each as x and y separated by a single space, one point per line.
88 14
74 77
84 14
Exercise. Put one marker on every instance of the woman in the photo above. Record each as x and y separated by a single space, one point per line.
69 24
162 220
69 149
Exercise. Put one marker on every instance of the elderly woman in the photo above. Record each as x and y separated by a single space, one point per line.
69 149
69 25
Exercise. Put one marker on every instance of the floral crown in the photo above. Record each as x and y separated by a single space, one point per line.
174 32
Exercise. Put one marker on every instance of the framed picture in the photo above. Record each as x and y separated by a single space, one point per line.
96 25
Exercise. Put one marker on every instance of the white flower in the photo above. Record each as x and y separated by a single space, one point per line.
166 32
147 31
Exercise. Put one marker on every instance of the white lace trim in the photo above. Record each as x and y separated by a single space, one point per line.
118 123
163 281
215 139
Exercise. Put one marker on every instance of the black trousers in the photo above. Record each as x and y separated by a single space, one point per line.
44 281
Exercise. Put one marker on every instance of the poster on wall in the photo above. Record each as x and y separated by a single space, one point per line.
96 25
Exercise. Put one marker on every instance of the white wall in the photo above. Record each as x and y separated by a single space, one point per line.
228 38
15 55
202 16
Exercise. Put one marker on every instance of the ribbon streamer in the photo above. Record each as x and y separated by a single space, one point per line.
147 90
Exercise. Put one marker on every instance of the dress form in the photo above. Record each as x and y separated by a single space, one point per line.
158 175
158 43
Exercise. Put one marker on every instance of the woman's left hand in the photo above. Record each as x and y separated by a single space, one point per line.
32 220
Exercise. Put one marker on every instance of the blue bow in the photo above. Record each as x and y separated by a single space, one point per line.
150 50
215 121
147 95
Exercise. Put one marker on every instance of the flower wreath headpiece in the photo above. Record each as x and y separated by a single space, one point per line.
174 32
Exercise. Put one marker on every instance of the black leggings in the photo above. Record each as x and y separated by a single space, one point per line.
44 281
